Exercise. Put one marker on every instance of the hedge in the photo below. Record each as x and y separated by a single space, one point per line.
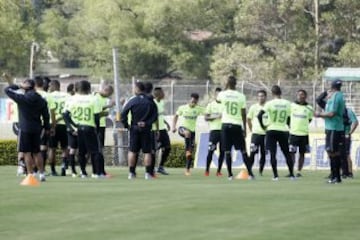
8 154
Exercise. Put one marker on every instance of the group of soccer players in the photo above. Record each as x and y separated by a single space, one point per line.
75 120
268 122
273 123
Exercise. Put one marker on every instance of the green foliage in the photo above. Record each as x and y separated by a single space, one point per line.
8 152
177 156
349 55
17 32
195 39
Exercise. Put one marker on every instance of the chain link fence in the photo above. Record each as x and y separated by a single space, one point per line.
178 93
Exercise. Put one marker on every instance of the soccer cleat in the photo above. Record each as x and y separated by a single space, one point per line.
275 179
148 176
187 173
83 174
219 174
292 178
251 177
20 171
42 177
230 178
54 174
298 175
74 175
207 173
94 176
131 176
334 181
162 171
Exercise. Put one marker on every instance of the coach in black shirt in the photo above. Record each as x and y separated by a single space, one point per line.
143 115
33 112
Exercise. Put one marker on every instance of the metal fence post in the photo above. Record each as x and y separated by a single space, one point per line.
118 134
172 97
207 88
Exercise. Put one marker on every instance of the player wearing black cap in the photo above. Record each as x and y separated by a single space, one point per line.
143 115
334 126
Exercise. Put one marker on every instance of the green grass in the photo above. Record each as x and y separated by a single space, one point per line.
179 207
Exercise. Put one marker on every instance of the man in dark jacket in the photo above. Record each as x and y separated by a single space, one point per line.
143 115
32 108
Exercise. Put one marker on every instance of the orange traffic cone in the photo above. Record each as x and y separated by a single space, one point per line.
30 180
243 174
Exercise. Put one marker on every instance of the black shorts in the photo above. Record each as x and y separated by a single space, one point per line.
273 137
299 141
232 135
214 139
15 128
189 146
59 137
29 142
72 141
140 139
182 131
88 140
164 139
334 140
257 140
101 135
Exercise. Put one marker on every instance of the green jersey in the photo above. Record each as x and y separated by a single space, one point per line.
47 97
83 109
69 102
102 101
214 109
300 118
335 104
58 104
352 119
252 115
161 113
189 115
233 102
278 111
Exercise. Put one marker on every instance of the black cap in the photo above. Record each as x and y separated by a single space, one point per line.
31 83
336 84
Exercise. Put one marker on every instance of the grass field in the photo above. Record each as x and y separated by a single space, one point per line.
179 207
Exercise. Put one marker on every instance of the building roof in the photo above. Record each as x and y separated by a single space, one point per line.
344 74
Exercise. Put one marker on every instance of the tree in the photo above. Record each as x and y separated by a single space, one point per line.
17 32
